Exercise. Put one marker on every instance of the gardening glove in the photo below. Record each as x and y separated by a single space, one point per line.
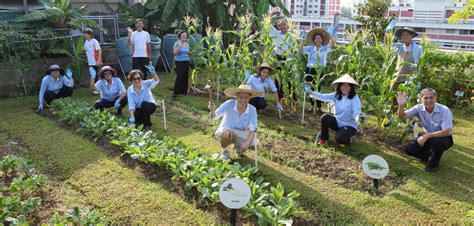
279 107
150 68
247 74
390 26
92 72
331 30
117 104
307 88
40 107
132 120
68 73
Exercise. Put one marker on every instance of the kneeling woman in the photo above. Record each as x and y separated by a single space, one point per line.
140 99
348 109
112 91
260 82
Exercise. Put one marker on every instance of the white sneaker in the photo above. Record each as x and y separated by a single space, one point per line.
225 156
96 92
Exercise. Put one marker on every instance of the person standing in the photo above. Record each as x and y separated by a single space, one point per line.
437 122
112 90
181 51
317 54
55 85
141 103
239 122
94 57
140 42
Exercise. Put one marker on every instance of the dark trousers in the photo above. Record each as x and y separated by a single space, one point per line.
312 71
140 63
96 68
279 84
182 77
343 134
258 102
143 114
437 146
66 91
102 103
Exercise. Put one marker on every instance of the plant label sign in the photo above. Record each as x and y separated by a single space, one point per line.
375 167
459 93
234 193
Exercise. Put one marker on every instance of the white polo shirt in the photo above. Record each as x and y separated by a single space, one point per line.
140 41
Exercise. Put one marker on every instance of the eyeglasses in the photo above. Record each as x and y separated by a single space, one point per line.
136 79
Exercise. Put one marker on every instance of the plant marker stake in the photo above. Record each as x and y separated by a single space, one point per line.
218 89
376 184
164 112
233 217
304 103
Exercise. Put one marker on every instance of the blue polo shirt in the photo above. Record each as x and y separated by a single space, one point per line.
315 56
135 99
255 82
347 110
440 118
49 84
108 91
183 54
233 119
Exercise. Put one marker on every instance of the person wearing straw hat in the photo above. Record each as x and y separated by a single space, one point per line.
348 108
437 122
239 122
112 90
317 54
261 82
94 57
409 53
55 85
141 102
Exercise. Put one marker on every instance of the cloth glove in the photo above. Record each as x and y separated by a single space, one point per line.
150 68
391 25
279 107
132 120
307 88
92 72
117 104
68 73
331 30
40 107
247 74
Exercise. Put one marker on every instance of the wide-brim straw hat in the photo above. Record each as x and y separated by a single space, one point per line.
107 68
345 79
233 91
409 29
55 67
318 31
265 65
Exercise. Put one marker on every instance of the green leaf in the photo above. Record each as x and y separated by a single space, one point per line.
168 10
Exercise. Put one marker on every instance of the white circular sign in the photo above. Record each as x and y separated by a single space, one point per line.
375 166
234 193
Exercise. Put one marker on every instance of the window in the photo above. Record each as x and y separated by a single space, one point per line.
471 32
310 6
463 32
450 31
420 29
310 11
408 4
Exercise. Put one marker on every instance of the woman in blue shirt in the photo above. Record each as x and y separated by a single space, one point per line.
261 82
317 54
55 85
141 103
181 51
112 91
348 108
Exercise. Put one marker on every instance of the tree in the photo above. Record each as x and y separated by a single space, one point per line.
464 14
218 13
59 14
372 16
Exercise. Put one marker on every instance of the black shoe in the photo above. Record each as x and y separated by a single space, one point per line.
147 128
425 160
119 114
174 96
432 169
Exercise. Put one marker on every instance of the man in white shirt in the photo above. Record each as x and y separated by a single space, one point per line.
94 57
140 42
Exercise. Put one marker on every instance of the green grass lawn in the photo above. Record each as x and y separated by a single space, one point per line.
88 175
